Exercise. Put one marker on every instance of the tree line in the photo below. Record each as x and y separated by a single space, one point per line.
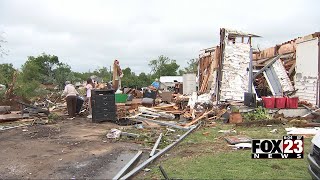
47 69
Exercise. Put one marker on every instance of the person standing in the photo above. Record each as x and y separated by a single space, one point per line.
155 85
117 75
71 97
89 87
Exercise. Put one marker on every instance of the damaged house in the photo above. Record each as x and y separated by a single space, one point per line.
224 69
291 68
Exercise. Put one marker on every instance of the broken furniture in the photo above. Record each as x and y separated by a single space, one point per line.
103 106
149 97
32 109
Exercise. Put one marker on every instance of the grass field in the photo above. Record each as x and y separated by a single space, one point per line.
208 156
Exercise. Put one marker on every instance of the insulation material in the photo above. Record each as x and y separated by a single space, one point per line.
235 76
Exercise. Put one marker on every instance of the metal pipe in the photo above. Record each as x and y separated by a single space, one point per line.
161 123
250 71
128 166
318 88
165 175
148 161
156 145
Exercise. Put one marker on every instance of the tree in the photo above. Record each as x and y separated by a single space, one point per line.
129 78
144 80
103 73
6 73
40 68
62 73
164 66
191 68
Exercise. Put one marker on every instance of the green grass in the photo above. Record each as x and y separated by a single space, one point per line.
210 157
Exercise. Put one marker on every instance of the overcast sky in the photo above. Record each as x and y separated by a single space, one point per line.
91 34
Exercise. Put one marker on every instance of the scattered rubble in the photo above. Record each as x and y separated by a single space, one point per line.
162 119
114 134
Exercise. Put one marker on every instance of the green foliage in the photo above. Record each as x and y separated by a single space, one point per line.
234 109
130 79
53 116
26 89
164 66
6 73
103 73
40 68
191 68
61 74
259 113
47 69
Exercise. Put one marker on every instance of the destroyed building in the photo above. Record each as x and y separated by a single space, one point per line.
223 70
290 68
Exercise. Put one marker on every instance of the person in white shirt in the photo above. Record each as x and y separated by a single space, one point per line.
71 97
89 87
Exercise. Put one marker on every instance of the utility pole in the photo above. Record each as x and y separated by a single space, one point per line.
250 72
250 69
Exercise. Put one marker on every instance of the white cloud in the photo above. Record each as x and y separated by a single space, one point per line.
91 34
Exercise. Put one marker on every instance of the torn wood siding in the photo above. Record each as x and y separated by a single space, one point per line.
205 70
235 76
306 78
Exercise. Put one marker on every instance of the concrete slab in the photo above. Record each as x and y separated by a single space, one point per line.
299 112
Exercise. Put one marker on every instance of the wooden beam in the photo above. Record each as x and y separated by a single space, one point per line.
292 69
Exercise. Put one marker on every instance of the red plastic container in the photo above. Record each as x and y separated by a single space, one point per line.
292 103
268 102
281 102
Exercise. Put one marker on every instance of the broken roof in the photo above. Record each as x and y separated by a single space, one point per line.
210 49
237 33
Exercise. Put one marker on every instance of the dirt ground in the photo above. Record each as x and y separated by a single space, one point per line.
70 149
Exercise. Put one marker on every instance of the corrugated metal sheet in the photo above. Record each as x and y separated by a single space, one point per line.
306 78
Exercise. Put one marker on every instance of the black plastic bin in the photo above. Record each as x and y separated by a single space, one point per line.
80 102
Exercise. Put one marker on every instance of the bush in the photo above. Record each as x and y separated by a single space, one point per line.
259 113
27 89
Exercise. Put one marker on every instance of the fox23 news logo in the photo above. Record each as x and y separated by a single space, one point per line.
290 147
